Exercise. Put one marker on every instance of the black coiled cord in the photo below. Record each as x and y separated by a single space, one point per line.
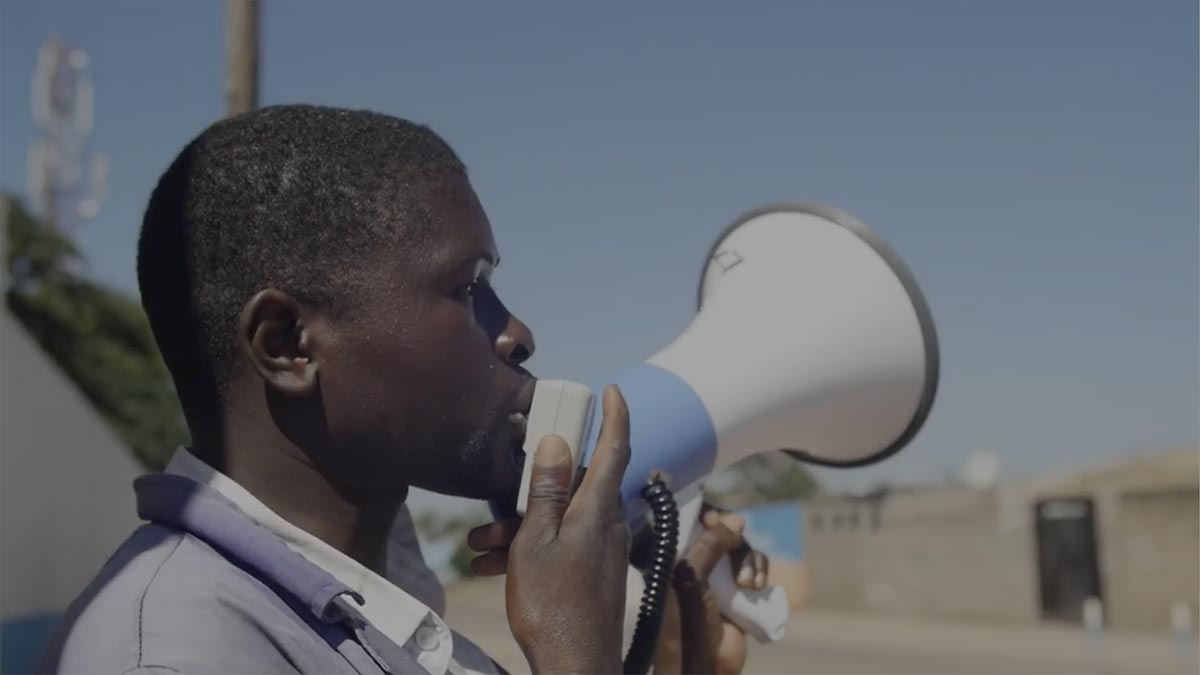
661 567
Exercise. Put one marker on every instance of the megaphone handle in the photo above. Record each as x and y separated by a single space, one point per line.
762 614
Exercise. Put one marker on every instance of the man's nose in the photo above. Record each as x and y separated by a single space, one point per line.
515 343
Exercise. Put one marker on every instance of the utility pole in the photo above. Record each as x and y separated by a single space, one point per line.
241 85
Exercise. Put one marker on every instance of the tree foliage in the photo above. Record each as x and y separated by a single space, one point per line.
762 479
98 336
435 526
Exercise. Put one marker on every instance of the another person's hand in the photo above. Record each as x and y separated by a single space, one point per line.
565 590
695 637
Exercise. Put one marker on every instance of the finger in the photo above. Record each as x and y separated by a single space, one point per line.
741 558
490 564
731 655
712 612
497 534
752 574
735 522
549 486
667 657
755 566
763 569
746 572
713 543
698 649
601 485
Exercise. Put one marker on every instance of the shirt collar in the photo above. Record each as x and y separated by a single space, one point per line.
184 504
393 612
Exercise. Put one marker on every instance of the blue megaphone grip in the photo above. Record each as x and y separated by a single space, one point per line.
670 432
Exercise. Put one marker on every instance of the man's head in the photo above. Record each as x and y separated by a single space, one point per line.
326 271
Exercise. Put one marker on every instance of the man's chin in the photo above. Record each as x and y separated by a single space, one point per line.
503 485
502 480
485 483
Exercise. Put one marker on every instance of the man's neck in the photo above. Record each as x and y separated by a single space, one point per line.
285 479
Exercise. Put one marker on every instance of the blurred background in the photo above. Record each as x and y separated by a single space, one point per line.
1034 163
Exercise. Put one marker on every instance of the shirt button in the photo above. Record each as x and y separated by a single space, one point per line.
427 638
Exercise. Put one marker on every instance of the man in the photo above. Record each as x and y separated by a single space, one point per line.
317 281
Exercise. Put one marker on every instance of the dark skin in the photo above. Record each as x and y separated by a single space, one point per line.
333 416
695 637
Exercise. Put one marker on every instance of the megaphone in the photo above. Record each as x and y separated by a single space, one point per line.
812 337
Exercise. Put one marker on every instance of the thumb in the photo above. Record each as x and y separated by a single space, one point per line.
549 485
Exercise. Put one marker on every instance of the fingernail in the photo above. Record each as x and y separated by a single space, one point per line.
746 576
551 453
760 580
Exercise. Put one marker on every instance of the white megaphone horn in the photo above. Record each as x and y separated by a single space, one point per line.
811 337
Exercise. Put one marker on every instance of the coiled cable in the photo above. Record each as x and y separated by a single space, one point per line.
658 574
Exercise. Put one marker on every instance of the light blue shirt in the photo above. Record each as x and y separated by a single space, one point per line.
387 603
205 587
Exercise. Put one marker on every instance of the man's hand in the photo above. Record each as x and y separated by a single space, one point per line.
565 590
695 637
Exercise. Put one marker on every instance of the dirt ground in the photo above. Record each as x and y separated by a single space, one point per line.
843 643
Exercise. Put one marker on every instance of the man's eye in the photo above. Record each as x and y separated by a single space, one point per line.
465 292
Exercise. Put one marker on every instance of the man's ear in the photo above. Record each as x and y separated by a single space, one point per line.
274 337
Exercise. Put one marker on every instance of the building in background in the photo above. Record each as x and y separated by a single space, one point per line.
1125 532
66 497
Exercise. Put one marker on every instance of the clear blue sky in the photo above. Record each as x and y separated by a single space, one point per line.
1035 163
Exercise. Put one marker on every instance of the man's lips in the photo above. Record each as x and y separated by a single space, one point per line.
517 423
525 396
518 420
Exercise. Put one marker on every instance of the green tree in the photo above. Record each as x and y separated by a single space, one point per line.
99 337
762 479
455 528
461 560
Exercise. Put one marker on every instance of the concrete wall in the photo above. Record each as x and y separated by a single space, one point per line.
1146 527
942 553
66 499
1159 548
956 552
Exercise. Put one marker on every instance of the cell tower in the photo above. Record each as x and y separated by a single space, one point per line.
67 183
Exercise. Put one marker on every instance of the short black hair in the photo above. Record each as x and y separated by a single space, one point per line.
329 186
